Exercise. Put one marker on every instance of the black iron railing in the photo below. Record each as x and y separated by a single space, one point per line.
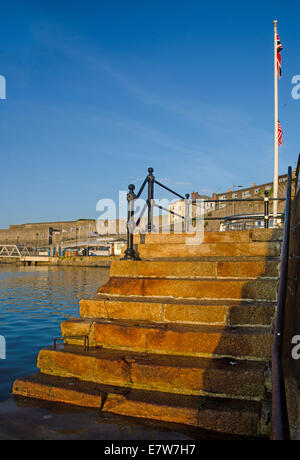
297 181
280 423
150 181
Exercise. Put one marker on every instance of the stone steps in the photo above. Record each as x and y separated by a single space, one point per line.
219 312
215 414
175 250
172 374
196 269
183 335
174 339
233 289
257 235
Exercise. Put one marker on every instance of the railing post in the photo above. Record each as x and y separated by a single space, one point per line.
130 253
151 180
267 209
187 213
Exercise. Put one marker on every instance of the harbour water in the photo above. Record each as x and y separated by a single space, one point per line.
33 302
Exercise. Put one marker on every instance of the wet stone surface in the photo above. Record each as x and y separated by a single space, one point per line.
27 419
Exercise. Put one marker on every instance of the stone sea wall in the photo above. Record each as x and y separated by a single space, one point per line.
67 261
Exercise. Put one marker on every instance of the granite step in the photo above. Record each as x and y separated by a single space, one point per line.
218 312
233 289
196 269
212 237
237 249
174 339
173 374
221 415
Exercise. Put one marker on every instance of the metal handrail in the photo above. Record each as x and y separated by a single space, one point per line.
130 252
168 210
169 190
142 187
297 175
280 420
237 200
242 216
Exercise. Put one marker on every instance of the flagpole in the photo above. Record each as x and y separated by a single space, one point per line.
275 192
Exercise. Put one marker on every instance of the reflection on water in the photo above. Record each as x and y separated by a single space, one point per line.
33 302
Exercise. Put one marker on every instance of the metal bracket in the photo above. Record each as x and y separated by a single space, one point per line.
84 337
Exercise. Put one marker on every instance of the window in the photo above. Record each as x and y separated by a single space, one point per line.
257 191
246 194
221 206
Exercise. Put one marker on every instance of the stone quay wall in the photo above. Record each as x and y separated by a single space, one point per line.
37 234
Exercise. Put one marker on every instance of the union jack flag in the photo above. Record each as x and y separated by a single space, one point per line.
280 139
279 49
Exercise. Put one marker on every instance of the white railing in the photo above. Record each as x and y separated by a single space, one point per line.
11 250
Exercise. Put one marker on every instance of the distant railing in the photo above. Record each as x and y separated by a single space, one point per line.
15 251
247 222
150 204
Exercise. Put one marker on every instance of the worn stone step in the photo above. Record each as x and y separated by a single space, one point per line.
182 238
211 237
196 269
177 339
210 259
246 289
221 415
166 250
219 313
173 374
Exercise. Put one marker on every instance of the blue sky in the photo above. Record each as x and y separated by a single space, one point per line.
99 91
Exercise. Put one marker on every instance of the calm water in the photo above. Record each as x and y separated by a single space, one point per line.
33 302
